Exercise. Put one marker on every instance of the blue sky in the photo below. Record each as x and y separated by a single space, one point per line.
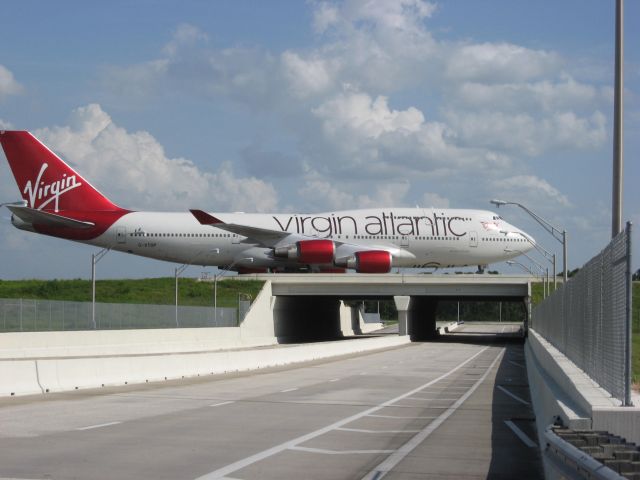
311 106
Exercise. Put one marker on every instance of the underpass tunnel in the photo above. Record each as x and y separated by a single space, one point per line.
417 315
313 318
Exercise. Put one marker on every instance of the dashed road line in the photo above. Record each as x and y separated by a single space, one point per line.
269 452
401 417
392 460
337 452
100 425
362 430
520 434
221 403
289 390
515 397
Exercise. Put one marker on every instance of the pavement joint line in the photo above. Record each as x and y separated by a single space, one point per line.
402 417
432 399
334 380
335 452
289 390
221 403
362 430
395 458
100 425
520 434
516 364
515 397
269 452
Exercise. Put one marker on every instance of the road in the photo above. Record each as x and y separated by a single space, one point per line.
436 410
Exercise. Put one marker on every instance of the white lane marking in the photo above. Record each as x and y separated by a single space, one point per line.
361 430
515 397
520 434
235 466
221 403
432 399
334 452
289 390
334 380
399 416
91 427
392 460
516 364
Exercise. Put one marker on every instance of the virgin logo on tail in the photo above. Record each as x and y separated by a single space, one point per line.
49 192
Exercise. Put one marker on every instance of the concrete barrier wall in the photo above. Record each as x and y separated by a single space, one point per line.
559 388
34 376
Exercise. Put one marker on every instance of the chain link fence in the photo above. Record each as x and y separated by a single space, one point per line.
19 315
589 318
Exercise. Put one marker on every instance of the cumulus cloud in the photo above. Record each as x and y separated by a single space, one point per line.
132 168
500 62
8 84
531 190
379 99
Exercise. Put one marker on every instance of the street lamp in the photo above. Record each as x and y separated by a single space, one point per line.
182 268
215 283
528 270
95 258
560 236
551 257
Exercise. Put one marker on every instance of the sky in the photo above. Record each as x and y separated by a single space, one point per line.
292 106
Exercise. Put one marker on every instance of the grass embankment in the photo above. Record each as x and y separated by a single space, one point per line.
156 291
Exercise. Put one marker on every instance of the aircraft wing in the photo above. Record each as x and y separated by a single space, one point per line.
273 238
267 237
46 219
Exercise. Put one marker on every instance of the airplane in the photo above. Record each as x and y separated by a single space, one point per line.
58 202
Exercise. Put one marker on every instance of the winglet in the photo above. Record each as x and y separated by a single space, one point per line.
204 218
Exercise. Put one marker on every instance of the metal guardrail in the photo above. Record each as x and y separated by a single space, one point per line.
589 318
21 315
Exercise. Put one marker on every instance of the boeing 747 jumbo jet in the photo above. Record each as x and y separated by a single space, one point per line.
58 202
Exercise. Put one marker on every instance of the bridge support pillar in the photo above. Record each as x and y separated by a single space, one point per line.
402 305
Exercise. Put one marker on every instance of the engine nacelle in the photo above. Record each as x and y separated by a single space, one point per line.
21 224
309 251
368 261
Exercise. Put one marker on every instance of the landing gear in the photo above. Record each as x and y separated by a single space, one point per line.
481 268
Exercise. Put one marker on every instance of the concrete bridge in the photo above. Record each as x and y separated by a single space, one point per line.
309 307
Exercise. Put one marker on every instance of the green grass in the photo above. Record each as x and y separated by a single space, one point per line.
157 291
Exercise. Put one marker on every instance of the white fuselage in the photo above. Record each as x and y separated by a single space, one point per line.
418 238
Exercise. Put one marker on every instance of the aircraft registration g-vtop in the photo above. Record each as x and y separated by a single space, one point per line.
58 202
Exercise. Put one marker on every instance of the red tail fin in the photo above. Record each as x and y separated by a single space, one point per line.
45 181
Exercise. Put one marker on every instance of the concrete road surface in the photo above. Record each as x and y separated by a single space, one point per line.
443 410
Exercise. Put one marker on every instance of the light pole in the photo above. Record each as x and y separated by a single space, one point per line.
551 257
95 258
560 236
220 273
182 268
528 270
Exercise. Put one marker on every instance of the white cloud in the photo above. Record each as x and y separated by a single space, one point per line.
325 194
500 63
522 133
8 84
530 190
434 200
544 95
134 171
5 125
306 76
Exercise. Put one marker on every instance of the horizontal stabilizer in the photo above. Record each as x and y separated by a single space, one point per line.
46 219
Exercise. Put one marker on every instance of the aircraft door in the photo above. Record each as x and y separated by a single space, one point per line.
235 238
404 242
121 235
473 239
